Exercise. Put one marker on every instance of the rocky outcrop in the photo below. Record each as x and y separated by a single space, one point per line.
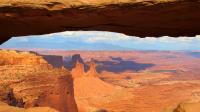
6 108
92 72
29 83
60 96
55 61
88 84
78 70
76 58
133 17
11 57
71 61
7 96
188 107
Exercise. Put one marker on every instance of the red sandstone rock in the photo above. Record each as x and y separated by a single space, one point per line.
27 80
92 69
78 70
133 17
88 84
6 108
21 58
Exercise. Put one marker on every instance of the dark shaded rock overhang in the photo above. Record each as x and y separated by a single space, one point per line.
176 18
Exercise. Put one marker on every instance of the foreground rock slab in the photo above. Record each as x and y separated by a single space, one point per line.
188 107
6 108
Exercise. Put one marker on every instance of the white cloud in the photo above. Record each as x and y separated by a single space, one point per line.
48 35
167 39
67 33
97 39
94 34
22 39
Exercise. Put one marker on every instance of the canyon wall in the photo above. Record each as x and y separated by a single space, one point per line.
55 61
11 57
27 80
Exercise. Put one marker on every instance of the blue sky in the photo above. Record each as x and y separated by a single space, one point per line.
94 40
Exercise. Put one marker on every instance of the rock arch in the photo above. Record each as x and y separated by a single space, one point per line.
132 17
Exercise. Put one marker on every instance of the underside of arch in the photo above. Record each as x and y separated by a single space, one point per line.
141 18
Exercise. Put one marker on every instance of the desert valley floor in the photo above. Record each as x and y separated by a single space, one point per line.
102 81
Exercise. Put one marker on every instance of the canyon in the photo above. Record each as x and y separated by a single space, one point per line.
143 18
99 81
140 81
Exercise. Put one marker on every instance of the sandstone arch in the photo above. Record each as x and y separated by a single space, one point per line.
133 17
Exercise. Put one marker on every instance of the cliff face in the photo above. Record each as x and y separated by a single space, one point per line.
92 72
55 61
88 85
133 17
20 58
27 80
78 69
60 95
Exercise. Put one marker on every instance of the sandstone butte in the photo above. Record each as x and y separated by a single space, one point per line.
27 80
132 17
87 84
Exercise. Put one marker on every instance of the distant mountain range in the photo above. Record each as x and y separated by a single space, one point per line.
68 45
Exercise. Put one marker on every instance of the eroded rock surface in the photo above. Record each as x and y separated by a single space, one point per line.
188 107
133 17
78 70
27 80
92 72
88 85
6 108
